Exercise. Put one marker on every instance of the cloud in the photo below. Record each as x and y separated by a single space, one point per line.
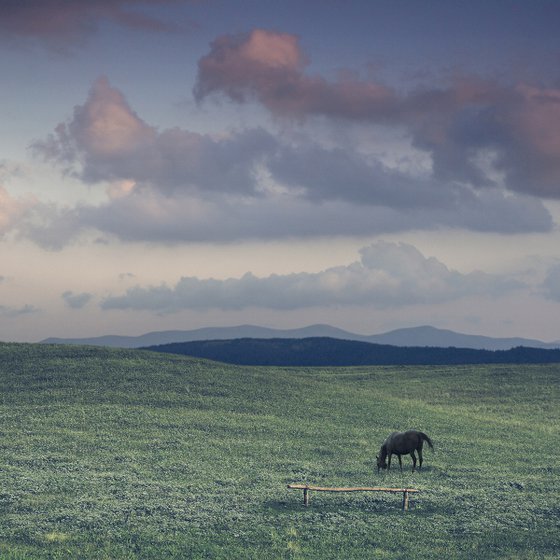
338 174
551 284
76 301
51 226
247 67
387 275
475 130
149 216
517 132
176 185
269 66
59 23
107 141
13 210
12 312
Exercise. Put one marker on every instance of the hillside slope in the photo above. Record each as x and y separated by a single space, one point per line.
126 454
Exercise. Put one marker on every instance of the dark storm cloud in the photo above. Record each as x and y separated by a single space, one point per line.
387 275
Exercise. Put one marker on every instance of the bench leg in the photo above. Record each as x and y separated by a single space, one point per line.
405 501
306 496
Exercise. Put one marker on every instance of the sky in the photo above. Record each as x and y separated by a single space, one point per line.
373 165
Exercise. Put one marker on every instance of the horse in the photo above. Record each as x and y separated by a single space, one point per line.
402 443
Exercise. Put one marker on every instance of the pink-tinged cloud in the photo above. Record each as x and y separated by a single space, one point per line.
514 129
541 118
106 127
59 22
103 135
269 66
535 125
107 141
274 50
177 185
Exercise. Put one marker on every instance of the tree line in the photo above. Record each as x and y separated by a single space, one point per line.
323 351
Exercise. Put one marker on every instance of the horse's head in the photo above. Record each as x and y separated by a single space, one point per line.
381 463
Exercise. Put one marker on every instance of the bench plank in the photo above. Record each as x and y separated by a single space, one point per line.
350 489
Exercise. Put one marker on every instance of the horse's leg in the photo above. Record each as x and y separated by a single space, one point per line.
389 461
413 461
420 456
400 461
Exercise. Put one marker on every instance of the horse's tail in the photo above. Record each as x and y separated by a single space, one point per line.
427 440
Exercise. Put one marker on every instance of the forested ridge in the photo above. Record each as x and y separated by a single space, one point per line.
324 351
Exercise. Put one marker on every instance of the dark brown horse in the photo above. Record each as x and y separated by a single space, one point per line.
402 443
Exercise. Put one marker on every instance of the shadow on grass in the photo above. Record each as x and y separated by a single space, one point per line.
333 505
407 471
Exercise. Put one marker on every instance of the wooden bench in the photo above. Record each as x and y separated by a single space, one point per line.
307 488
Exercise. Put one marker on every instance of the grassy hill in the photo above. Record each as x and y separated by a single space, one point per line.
124 454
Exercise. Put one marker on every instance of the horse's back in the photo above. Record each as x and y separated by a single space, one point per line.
404 442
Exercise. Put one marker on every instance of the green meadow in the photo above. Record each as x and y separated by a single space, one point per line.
124 454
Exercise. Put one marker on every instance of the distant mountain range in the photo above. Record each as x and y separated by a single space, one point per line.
414 336
329 352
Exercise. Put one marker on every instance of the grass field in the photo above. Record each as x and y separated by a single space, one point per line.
126 454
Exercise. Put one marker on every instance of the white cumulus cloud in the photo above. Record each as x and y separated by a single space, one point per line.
387 275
